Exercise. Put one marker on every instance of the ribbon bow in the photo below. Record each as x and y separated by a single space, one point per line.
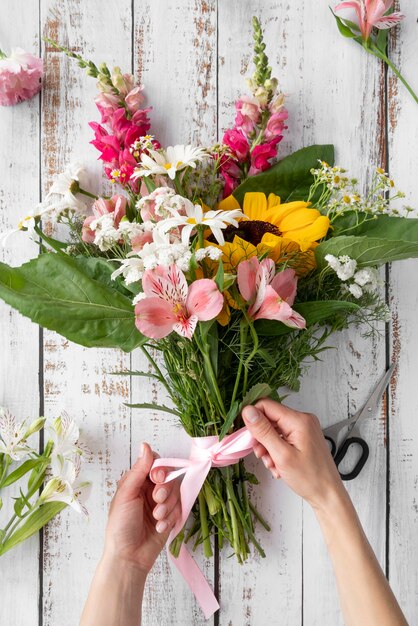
205 452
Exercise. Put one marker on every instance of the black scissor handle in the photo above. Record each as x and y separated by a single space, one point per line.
333 447
360 463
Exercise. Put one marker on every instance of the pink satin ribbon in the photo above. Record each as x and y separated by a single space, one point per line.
205 452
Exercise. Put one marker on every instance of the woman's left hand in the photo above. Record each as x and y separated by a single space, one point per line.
141 514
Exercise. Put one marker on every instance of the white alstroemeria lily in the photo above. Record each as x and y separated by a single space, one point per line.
169 161
195 216
62 195
13 435
65 436
66 486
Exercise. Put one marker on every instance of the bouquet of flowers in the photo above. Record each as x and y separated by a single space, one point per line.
231 267
52 480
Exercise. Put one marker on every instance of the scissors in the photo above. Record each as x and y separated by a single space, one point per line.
352 434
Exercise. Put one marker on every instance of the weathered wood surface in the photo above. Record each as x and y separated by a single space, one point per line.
193 56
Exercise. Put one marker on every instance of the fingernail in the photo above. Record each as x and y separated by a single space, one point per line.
257 454
251 414
265 460
160 511
160 475
161 495
161 527
141 451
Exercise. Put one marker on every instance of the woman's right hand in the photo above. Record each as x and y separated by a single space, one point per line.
292 445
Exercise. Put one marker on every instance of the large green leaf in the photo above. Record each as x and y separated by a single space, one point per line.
383 227
366 250
313 312
73 298
291 178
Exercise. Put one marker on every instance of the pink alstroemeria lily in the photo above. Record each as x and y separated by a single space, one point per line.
270 295
169 304
371 13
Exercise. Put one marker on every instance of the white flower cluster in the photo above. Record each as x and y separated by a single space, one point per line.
63 439
358 282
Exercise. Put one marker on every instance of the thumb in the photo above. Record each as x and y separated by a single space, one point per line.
135 478
262 429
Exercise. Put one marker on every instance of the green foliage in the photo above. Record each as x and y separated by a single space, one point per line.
291 178
32 524
367 250
381 226
73 296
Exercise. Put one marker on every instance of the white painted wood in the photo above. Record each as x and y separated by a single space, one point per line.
78 379
334 95
19 191
403 431
180 84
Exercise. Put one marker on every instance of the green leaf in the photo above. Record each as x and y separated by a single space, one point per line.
366 250
74 298
260 390
230 418
153 407
313 312
219 278
21 471
383 227
291 178
33 523
135 373
343 28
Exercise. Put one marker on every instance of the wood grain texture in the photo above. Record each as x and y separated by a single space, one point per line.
193 57
19 338
78 379
403 424
181 87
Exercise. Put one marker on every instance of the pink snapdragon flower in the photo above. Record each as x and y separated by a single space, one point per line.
238 143
248 113
116 207
20 76
169 304
372 13
270 296
262 154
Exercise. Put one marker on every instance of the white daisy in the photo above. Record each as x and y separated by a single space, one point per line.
62 195
169 161
195 216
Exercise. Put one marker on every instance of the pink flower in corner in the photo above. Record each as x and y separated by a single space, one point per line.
270 296
20 76
372 13
261 155
169 304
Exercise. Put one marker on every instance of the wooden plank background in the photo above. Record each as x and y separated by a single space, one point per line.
193 56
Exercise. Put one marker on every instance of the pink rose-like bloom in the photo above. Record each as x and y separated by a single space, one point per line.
270 296
238 143
170 304
116 206
20 77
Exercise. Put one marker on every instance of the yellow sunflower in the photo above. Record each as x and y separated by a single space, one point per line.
292 220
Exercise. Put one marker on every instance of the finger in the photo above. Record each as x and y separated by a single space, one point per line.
268 461
284 418
162 511
162 491
259 450
132 482
262 429
166 524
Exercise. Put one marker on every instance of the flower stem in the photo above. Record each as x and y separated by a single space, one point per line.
157 370
87 193
207 548
381 55
7 462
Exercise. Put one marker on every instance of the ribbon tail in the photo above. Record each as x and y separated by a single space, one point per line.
197 582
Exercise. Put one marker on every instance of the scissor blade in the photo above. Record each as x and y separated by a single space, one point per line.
373 402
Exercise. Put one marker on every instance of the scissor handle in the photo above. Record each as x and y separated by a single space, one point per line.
360 463
333 447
